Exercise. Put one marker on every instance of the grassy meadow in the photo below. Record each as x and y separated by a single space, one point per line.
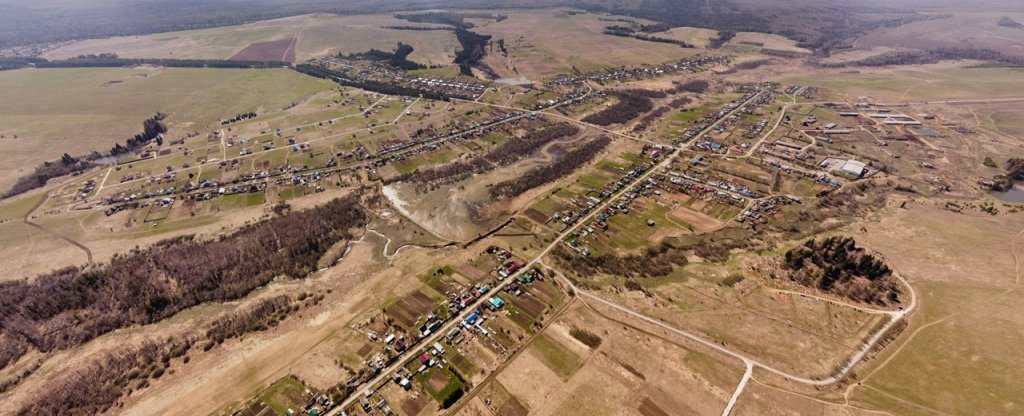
77 110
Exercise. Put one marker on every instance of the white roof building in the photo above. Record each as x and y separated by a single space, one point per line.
854 168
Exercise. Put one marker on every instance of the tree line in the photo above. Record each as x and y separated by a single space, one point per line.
73 305
18 62
152 128
651 117
125 369
442 18
509 152
723 37
836 265
516 148
631 104
552 172
239 117
696 86
931 56
628 32
655 261
424 28
66 165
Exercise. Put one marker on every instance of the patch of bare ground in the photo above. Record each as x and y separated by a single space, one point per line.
920 239
628 367
759 399
274 50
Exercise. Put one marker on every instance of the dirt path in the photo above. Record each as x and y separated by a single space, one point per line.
26 219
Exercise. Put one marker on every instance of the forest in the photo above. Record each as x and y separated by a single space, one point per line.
107 377
516 148
655 261
628 32
696 86
651 117
441 18
397 58
932 56
631 104
73 305
552 172
836 265
474 47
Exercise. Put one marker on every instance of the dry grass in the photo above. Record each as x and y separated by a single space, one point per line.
963 30
608 383
542 43
318 35
53 111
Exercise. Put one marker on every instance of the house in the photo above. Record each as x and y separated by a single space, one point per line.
496 303
471 319
438 348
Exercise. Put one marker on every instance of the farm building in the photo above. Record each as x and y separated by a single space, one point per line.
854 168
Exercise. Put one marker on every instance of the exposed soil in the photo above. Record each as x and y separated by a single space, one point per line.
275 50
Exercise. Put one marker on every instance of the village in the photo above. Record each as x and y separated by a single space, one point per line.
500 308
742 156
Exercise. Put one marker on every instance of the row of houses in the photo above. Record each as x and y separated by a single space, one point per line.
583 205
765 207
693 64
723 118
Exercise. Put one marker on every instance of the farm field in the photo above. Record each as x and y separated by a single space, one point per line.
546 42
803 336
76 111
767 42
558 374
695 36
937 82
566 222
978 30
315 35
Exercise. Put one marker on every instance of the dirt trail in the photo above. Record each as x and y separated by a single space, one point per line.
26 219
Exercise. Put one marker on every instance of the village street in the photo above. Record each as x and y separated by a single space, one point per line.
750 363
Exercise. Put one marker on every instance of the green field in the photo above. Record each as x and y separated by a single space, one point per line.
964 360
556 357
79 110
